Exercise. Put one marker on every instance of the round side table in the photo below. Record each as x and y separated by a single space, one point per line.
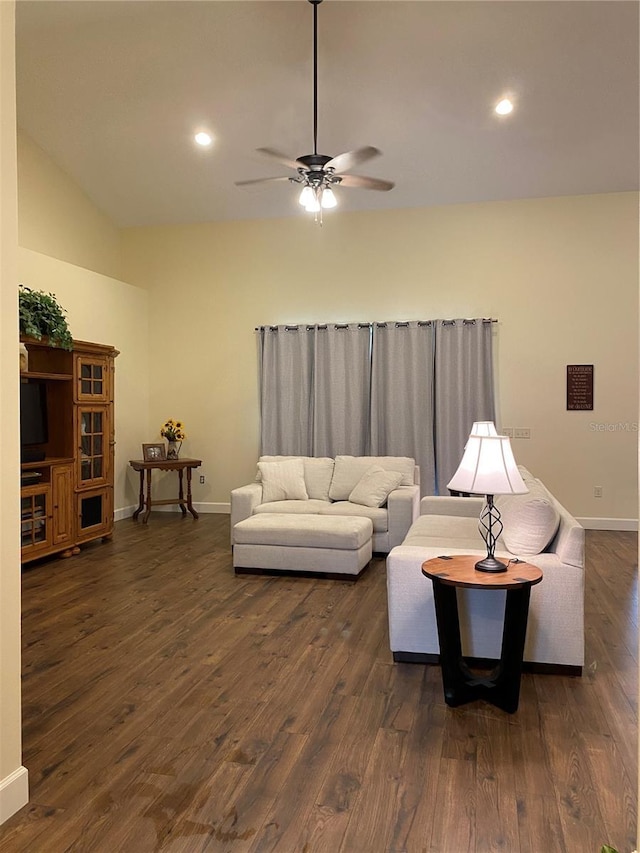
501 686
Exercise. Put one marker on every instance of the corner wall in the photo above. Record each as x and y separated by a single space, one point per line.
106 311
70 248
14 789
560 274
58 219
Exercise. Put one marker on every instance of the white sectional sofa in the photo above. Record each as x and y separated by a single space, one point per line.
537 529
384 489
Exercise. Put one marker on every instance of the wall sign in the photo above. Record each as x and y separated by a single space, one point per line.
580 387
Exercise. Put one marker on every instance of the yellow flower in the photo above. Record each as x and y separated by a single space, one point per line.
173 430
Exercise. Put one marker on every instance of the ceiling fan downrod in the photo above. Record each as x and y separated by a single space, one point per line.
315 4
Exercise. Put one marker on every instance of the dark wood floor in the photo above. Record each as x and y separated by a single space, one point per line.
169 705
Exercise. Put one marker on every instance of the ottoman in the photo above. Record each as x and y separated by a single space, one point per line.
337 546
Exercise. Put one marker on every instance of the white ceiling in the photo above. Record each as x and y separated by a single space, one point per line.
114 91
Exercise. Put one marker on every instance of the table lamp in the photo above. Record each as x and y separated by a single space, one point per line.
483 428
488 468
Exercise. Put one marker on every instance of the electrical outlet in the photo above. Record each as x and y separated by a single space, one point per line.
201 479
521 432
597 491
508 431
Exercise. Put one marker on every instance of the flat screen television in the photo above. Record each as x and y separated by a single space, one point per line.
33 420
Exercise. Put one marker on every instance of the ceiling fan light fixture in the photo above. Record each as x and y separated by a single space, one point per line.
328 199
306 196
313 205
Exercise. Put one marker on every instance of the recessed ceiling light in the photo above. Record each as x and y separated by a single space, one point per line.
504 107
203 138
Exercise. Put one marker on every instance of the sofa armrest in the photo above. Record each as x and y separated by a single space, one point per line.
403 506
243 501
444 505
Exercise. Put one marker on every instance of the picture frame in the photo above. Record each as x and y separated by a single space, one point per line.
154 452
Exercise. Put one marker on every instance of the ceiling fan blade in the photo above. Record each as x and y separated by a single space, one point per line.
280 157
261 181
344 162
360 182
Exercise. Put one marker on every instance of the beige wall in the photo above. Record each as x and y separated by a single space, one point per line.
58 219
106 311
13 777
561 275
68 247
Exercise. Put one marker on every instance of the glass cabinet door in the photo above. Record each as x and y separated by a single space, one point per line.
35 530
92 379
94 444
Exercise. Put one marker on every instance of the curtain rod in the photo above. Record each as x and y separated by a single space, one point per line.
396 323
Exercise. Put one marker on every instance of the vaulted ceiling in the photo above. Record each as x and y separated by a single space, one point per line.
114 91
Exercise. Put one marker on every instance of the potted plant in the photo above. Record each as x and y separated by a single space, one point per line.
41 316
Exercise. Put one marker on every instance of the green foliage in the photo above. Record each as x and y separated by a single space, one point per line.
42 316
606 849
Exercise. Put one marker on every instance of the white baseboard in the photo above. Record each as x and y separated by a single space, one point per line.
609 523
14 793
124 512
222 508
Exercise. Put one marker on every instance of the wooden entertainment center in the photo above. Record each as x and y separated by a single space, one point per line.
67 489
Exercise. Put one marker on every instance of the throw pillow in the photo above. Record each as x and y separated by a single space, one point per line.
283 481
318 472
374 486
530 520
349 469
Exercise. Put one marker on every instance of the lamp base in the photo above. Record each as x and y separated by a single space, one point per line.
490 564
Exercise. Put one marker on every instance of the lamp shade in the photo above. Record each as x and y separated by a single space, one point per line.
306 196
488 468
483 428
329 199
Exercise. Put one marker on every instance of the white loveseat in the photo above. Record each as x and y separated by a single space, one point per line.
537 529
384 489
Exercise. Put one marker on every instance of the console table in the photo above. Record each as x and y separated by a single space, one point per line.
179 465
501 686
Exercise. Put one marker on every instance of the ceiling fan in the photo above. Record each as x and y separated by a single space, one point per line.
317 173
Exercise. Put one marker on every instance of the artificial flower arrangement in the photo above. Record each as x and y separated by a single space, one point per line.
173 430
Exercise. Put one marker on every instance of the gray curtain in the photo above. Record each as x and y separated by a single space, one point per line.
399 389
463 389
341 390
286 370
402 395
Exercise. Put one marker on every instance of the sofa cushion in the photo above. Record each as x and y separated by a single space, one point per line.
318 471
310 507
372 489
379 517
283 480
349 469
313 531
317 476
530 520
447 532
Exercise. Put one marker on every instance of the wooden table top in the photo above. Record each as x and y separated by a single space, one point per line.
459 570
164 464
